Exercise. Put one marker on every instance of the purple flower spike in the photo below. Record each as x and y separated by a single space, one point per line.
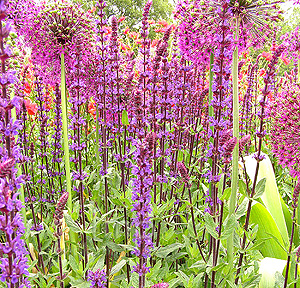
97 279
141 196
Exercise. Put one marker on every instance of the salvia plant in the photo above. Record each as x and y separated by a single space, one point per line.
162 155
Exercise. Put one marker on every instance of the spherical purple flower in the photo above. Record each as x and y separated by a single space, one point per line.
57 27
199 22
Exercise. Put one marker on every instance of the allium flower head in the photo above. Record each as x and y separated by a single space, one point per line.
19 11
285 132
58 26
199 22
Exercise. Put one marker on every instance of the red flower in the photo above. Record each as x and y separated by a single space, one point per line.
124 47
31 107
266 55
92 10
154 43
151 22
160 30
133 35
121 19
163 23
245 54
27 88
92 109
285 60
262 72
126 31
108 30
274 47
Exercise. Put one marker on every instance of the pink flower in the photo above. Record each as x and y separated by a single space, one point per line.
31 107
163 23
285 60
266 55
160 285
262 72
284 111
121 19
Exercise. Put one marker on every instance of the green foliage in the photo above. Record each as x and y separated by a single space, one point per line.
133 10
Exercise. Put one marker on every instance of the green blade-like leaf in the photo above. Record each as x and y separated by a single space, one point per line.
271 197
114 270
125 120
266 225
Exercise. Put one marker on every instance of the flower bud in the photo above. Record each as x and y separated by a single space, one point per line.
6 167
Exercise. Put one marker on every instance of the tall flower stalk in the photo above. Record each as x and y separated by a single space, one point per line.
66 147
269 78
294 205
141 196
13 261
235 164
58 217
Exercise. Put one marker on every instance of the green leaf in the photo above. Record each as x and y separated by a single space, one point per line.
114 270
260 188
242 187
226 194
241 211
199 264
279 280
164 251
73 263
79 283
210 225
72 224
125 120
50 282
183 277
229 227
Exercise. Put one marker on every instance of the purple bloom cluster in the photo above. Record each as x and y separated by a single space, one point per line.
284 112
141 196
13 261
97 278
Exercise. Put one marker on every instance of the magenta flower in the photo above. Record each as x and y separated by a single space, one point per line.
54 28
285 135
199 22
160 285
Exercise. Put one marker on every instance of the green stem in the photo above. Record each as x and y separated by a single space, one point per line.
234 180
66 149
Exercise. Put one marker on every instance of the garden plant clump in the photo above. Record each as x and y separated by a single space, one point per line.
149 152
